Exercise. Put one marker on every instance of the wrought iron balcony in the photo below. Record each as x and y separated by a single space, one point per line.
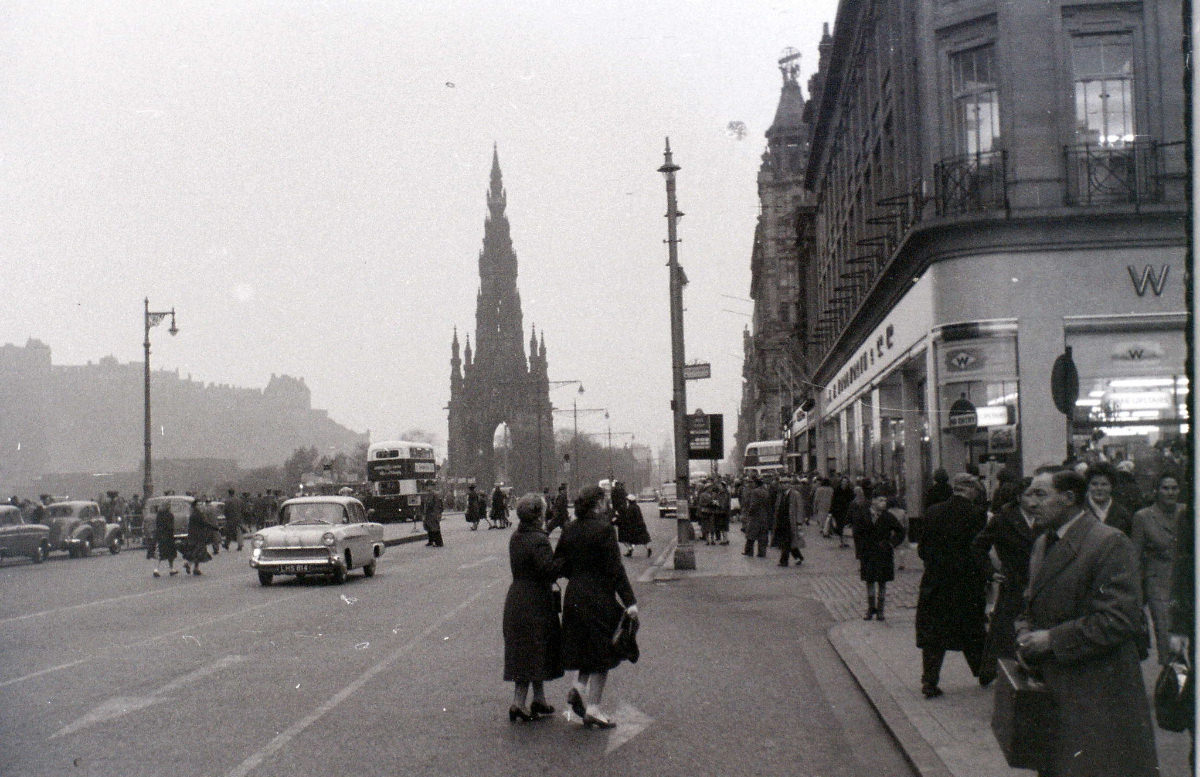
971 183
1144 171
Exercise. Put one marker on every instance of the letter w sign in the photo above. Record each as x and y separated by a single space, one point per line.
1149 279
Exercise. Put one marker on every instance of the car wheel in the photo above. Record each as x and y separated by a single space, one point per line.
369 570
39 554
114 547
339 575
85 549
265 578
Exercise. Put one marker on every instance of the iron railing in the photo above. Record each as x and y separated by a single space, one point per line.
971 183
1144 171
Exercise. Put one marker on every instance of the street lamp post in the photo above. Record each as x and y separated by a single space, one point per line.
151 318
685 554
553 384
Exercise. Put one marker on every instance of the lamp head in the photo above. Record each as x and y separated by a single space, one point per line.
174 330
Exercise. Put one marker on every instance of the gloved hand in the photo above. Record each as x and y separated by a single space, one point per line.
632 611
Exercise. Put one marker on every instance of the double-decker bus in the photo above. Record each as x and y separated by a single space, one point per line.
762 457
397 473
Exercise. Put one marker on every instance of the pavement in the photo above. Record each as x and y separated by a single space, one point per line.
943 737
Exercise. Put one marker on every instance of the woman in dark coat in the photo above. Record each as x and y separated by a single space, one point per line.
591 562
631 527
196 550
876 534
532 634
164 539
953 594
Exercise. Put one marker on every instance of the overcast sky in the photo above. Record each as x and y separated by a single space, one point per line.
304 182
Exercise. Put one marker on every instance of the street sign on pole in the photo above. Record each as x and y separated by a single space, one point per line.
697 371
706 435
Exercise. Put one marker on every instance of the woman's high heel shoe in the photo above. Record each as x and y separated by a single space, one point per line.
595 720
539 708
515 713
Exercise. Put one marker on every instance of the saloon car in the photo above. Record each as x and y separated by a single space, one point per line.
180 507
317 535
18 538
77 526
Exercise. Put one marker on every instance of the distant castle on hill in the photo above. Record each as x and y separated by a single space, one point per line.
89 418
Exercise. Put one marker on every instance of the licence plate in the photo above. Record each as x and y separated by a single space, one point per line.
295 569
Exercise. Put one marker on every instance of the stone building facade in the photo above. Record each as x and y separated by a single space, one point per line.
998 184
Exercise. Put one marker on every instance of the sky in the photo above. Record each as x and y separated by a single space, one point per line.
304 183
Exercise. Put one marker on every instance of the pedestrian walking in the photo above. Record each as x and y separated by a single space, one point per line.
532 633
877 533
757 515
939 491
559 510
1100 481
195 550
822 501
1079 631
1009 536
843 495
596 582
164 539
498 517
710 508
721 519
784 528
233 520
476 511
431 516
631 526
953 592
1154 548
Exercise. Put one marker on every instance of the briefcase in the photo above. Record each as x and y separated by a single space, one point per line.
1022 716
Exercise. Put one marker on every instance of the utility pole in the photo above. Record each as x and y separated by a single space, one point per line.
685 554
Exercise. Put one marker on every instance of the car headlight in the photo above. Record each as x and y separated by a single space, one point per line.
328 538
258 542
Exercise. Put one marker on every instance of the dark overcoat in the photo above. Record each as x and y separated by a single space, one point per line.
1085 591
950 605
591 562
781 528
631 527
164 533
1010 534
532 634
431 516
756 513
1117 516
875 542
199 533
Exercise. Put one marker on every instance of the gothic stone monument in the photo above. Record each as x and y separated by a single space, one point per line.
496 383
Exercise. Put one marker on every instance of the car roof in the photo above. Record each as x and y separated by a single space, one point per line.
308 500
74 503
9 509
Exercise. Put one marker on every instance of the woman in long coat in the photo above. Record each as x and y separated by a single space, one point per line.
591 562
1154 543
196 550
876 534
953 593
164 539
631 527
532 634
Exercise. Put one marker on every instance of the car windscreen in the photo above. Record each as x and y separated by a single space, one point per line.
60 511
313 512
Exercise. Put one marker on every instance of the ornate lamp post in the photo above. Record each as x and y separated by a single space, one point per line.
151 318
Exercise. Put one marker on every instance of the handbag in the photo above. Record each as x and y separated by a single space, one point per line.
1174 695
1022 715
624 639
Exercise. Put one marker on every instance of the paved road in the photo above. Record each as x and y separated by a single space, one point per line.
107 671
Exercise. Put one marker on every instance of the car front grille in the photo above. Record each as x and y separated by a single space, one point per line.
279 554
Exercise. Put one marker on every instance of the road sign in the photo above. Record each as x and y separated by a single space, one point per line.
697 371
706 435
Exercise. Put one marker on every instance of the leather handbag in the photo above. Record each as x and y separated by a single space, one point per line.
1174 703
1022 715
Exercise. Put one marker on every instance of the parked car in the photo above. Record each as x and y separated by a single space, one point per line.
666 500
77 526
317 535
180 507
18 538
648 494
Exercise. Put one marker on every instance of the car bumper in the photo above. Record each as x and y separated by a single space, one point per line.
317 562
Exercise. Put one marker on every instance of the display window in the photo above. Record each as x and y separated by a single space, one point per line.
979 403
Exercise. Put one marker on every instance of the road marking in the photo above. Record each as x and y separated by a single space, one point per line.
294 730
119 706
148 640
478 562
97 603
630 722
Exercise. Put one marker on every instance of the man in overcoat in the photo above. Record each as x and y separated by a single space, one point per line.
431 518
1080 630
1010 533
756 512
877 533
233 520
953 593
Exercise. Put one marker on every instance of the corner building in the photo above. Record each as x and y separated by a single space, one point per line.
996 182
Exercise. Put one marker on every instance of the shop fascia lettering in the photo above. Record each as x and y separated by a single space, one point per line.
908 323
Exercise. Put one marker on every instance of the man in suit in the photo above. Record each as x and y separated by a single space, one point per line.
1080 630
1010 533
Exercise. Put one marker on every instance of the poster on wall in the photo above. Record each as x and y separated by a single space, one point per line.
1002 439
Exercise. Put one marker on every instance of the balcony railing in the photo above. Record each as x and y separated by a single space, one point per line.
971 183
1144 171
